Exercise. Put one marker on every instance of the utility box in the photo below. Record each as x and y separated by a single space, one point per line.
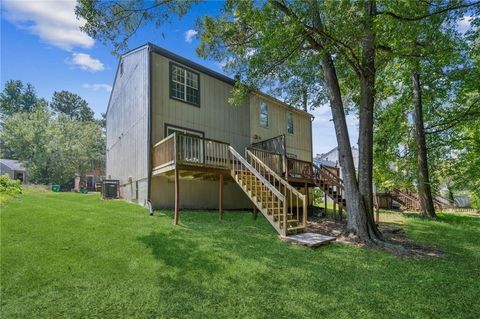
110 188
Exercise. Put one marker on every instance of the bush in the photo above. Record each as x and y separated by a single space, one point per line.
10 186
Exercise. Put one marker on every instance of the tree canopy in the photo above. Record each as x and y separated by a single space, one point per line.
18 97
71 105
54 144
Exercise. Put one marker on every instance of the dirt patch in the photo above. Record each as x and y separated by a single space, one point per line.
396 242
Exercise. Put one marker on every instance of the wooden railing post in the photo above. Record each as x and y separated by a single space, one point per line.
175 154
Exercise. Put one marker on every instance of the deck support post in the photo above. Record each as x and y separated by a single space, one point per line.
325 202
177 199
334 209
307 200
254 212
306 194
220 196
340 204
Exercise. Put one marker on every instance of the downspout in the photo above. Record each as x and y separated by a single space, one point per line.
149 135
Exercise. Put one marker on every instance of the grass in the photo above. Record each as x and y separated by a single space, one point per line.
73 255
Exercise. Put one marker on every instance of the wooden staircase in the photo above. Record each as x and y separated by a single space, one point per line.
406 200
273 197
331 184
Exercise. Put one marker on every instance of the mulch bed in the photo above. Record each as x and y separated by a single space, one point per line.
396 242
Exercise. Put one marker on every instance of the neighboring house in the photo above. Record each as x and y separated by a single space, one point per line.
462 201
14 169
174 140
92 178
331 158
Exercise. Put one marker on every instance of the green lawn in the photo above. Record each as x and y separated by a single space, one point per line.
73 255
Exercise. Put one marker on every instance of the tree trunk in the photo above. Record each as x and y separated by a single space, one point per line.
424 189
358 221
367 101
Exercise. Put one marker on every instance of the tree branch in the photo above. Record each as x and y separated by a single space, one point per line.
427 15
453 121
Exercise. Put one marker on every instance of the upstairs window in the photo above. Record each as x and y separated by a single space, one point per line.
289 123
184 85
263 114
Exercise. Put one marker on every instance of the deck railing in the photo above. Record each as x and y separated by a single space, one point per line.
186 149
275 144
163 153
299 169
271 159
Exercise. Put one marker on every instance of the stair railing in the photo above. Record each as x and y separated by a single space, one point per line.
331 179
411 201
243 170
296 202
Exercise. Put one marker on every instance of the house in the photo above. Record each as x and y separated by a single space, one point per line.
175 141
92 179
332 158
14 169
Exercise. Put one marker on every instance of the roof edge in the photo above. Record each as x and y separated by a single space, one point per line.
173 56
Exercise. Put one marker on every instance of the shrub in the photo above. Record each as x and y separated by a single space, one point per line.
9 186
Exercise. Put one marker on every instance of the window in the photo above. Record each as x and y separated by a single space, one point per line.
289 123
263 114
170 129
184 85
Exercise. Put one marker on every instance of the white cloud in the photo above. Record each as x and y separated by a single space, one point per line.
98 86
85 62
189 35
54 22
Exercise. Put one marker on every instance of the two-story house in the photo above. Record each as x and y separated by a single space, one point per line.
174 140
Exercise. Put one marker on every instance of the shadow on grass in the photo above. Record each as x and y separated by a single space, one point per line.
210 265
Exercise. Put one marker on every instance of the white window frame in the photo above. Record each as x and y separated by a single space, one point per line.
289 116
260 114
184 83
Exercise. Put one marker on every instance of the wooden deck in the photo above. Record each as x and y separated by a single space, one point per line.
183 156
192 156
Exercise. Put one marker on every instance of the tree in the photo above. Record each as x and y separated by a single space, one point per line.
432 60
18 97
115 22
72 105
73 148
53 149
28 136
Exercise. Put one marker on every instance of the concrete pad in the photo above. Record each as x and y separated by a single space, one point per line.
309 239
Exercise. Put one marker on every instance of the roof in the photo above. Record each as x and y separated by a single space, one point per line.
323 162
332 156
14 165
177 58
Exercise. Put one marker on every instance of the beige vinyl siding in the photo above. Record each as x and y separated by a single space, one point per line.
298 143
215 116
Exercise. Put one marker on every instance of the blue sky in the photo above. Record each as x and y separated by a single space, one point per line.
41 44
